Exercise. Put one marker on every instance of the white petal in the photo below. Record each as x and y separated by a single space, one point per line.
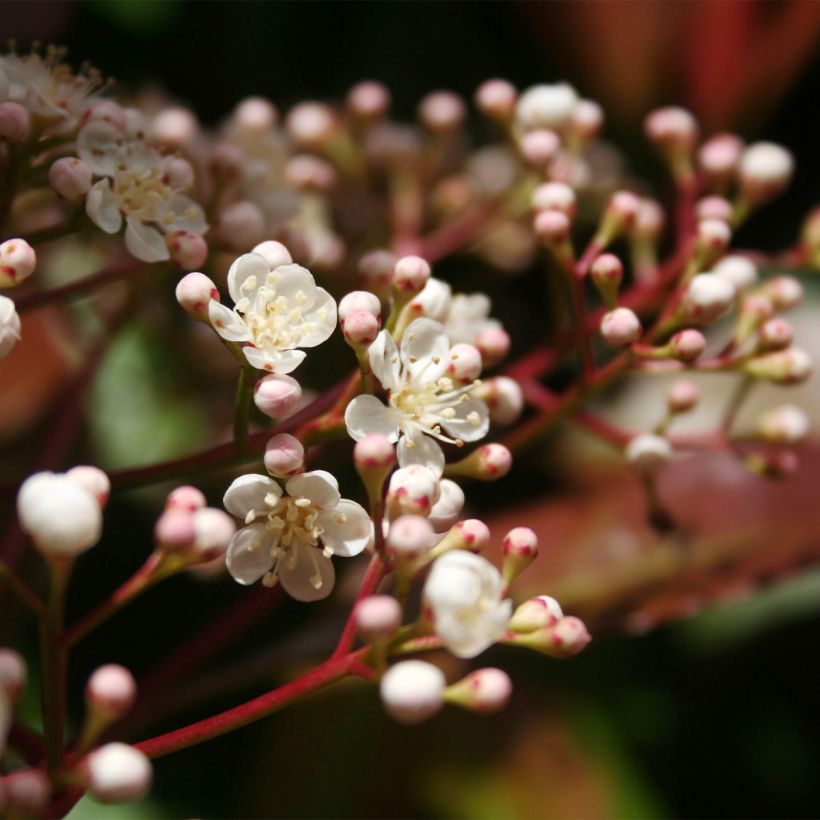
462 426
306 574
384 361
249 557
102 207
247 265
227 323
322 319
348 528
248 493
425 451
188 215
97 147
293 280
366 414
424 349
319 486
274 361
145 242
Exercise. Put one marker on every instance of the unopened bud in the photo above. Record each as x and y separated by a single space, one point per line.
546 106
738 270
493 343
539 147
649 220
274 253
719 156
310 124
359 300
489 462
791 366
536 613
413 490
178 174
682 396
360 329
213 531
26 793
175 128
773 464
241 225
485 691
520 548
765 170
553 229
775 334
70 178
554 196
607 273
188 250
412 691
688 345
714 207
783 425
620 327
409 539
587 119
784 292
446 510
374 457
93 480
174 530
255 115
567 638
441 111
619 217
111 690
471 535
118 773
464 363
714 236
277 396
15 122
376 271
672 129
186 498
12 673
284 455
377 617
496 99
648 452
17 262
708 298
368 100
194 293
411 274
504 399
308 173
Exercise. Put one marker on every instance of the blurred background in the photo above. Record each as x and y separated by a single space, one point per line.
698 695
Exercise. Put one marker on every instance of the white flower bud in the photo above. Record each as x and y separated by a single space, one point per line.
484 691
187 250
377 617
493 343
175 128
179 173
411 274
194 292
70 178
708 297
368 100
284 455
213 531
274 253
790 366
310 124
15 122
277 395
649 220
536 614
441 111
409 538
784 292
554 196
539 147
714 207
587 119
552 227
719 156
682 396
464 363
9 326
496 99
648 452
62 518
118 773
255 115
186 498
17 262
714 235
672 128
359 300
112 690
620 327
27 793
305 172
546 106
93 480
738 270
503 398
446 510
174 530
412 490
688 345
471 535
607 273
374 457
241 225
783 425
568 637
360 329
489 462
520 549
765 170
12 674
376 271
412 691
775 334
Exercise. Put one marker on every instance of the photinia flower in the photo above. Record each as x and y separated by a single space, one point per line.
423 402
275 312
9 326
292 537
463 596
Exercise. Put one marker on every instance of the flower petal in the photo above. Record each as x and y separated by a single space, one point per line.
306 574
424 450
97 147
274 361
246 266
145 242
188 215
348 528
227 323
248 492
296 284
249 557
471 422
366 414
384 361
319 486
321 321
102 207
424 349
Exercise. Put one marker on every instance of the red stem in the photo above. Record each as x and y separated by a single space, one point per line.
373 577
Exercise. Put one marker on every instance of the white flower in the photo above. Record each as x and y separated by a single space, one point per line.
412 691
464 595
293 536
275 312
546 106
9 326
423 403
136 187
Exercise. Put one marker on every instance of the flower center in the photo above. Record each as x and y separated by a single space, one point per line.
141 192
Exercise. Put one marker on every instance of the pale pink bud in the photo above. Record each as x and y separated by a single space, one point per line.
620 327
186 498
277 396
775 334
504 399
27 793
485 691
569 636
409 538
682 396
546 106
359 300
714 234
757 306
377 617
471 535
552 227
17 262
175 128
650 219
714 207
587 119
93 480
188 250
464 363
368 100
554 196
274 253
783 425
719 156
672 128
118 773
489 462
360 329
413 490
15 122
784 292
109 112
790 366
70 178
441 111
226 160
179 173
374 457
12 673
493 343
607 273
411 274
309 173
376 271
241 225
520 549
738 270
496 99
412 691
765 170
708 297
624 207
174 530
194 292
213 531
688 345
310 124
112 690
539 147
648 452
447 509
536 614
255 115
284 455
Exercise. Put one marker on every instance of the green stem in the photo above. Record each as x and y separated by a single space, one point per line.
242 408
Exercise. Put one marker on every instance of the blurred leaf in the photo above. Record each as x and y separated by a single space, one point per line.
138 16
88 809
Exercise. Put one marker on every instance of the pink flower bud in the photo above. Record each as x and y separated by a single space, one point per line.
360 329
174 530
413 490
411 274
620 327
536 613
672 128
539 147
308 173
441 111
520 548
784 292
471 535
552 227
377 617
496 99
649 220
569 636
175 128
178 173
554 196
277 396
12 673
775 334
226 161
241 225
708 297
464 363
587 119
757 307
682 396
368 100
213 531
188 250
493 344
738 270
489 462
374 457
607 273
15 122
27 793
70 178
714 207
284 455
17 262
185 498
624 207
9 325
255 115
765 170
118 773
359 300
714 234
194 292
376 271
485 691
648 452
274 253
503 398
719 157
783 425
546 106
790 366
688 345
310 124
412 691
409 538
447 509
93 480
112 690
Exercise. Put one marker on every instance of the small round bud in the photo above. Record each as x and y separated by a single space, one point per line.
471 535
111 689
70 178
174 530
310 124
546 106
374 457
719 156
226 161
520 549
708 297
441 111
241 225
489 462
274 253
9 325
188 250
714 234
17 262
587 119
620 327
765 170
783 425
277 396
552 227
360 329
688 345
775 334
308 173
93 480
485 691
213 531
738 270
377 617
368 100
411 274
464 363
255 115
409 538
625 206
179 174
682 396
284 455
536 613
12 673
648 452
791 366
118 773
672 129
446 510
15 122
175 128
569 636
359 300
186 498
714 207
784 292
376 271
493 343
194 292
554 196
413 490
649 220
504 399
607 273
27 793
539 147
412 691
496 99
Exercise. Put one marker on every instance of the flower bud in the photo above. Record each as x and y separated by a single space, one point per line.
446 510
587 119
27 793
368 100
688 345
489 462
553 229
409 539
471 535
185 498
226 161
765 170
12 674
305 172
174 530
554 196
714 207
118 773
179 174
682 396
175 128
719 156
194 292
70 178
784 292
240 225
546 106
539 147
441 111
484 691
493 343
620 327
213 531
62 518
188 250
773 464
360 329
775 334
464 363
714 236
277 396
563 640
93 480
255 115
738 270
496 99
377 618
672 129
536 613
376 271
374 457
783 425
790 366
619 217
9 326
274 253
411 274
15 122
17 262
607 273
284 455
359 300
310 124
412 691
111 690
708 297
648 452
520 548
649 220
504 399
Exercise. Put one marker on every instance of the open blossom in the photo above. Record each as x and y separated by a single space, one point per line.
423 402
275 312
292 536
463 594
136 186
